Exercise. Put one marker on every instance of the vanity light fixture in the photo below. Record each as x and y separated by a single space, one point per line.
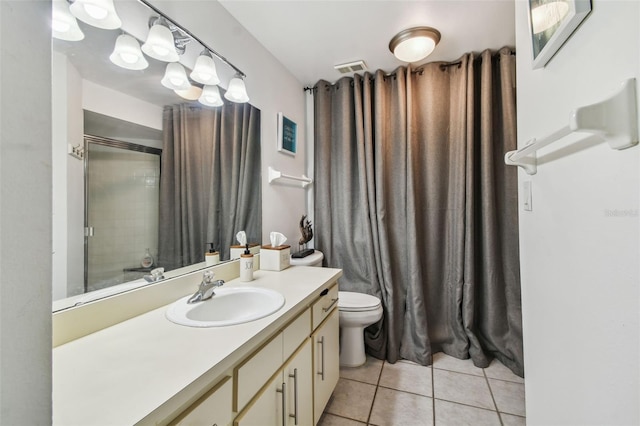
204 70
211 96
190 94
160 44
546 15
98 13
63 24
414 44
127 53
237 92
175 77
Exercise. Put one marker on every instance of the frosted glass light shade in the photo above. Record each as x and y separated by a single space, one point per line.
211 97
237 92
547 15
175 77
63 24
414 44
190 94
204 70
98 13
127 53
160 44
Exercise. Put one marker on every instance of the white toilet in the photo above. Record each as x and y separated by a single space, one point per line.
357 311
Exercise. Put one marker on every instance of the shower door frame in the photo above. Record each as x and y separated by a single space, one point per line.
112 143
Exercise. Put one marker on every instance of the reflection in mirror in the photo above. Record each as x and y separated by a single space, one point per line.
145 176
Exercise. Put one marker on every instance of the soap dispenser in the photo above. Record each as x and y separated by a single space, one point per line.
147 260
246 265
211 257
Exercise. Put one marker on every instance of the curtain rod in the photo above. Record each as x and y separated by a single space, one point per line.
190 34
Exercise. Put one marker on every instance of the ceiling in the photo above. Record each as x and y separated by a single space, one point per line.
309 37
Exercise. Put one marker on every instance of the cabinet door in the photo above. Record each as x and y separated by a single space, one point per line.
326 362
298 375
214 408
267 408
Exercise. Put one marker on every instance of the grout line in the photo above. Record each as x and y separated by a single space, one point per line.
375 393
433 394
467 405
492 397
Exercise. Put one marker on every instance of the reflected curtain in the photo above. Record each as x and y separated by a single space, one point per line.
210 181
414 203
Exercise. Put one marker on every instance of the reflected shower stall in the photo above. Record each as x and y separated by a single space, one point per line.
122 188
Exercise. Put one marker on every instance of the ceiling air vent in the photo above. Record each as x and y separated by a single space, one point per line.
351 67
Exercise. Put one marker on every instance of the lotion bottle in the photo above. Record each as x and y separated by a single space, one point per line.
211 257
246 265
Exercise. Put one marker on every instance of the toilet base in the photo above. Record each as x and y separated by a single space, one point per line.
352 347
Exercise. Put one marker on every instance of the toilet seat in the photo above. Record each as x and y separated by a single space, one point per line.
349 301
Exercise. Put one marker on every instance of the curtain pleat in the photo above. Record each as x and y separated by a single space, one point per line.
209 181
415 204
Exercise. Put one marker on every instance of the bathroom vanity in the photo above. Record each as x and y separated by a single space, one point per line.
277 370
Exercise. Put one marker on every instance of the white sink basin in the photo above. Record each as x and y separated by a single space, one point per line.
229 306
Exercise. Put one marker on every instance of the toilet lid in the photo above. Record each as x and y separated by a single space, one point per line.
351 301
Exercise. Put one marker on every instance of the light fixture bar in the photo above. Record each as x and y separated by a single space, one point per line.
213 52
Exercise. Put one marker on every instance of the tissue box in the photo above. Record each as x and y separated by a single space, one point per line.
275 258
236 251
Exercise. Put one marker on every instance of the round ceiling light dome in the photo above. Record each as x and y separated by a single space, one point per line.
414 44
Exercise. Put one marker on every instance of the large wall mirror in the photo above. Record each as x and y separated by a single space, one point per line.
148 171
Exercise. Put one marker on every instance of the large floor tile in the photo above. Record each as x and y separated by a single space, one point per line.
509 396
510 420
367 373
443 361
331 420
408 377
352 399
463 388
497 370
393 407
453 414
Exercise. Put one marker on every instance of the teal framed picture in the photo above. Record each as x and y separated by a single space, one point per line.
287 135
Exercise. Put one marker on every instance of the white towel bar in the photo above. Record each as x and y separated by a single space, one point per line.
275 174
615 119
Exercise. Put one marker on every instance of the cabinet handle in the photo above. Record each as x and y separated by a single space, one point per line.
321 342
295 396
328 308
283 391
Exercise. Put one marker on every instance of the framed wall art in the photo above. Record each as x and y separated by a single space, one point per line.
287 135
551 23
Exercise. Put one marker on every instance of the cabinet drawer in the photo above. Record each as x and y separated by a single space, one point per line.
213 408
252 374
324 305
295 333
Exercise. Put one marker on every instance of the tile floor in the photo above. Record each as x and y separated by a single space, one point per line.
450 392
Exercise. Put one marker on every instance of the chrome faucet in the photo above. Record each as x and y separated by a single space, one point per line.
205 290
155 275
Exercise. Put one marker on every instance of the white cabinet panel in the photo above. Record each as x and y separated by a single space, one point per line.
326 362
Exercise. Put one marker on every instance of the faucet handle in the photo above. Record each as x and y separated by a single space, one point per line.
208 276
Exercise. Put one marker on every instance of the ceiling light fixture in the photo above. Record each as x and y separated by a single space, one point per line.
175 77
211 96
237 92
414 44
204 70
127 54
160 44
98 13
63 24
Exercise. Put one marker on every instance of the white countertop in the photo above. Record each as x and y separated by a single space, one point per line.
147 368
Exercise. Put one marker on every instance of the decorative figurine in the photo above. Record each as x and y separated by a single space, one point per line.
306 230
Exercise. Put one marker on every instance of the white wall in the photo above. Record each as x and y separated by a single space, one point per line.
271 88
579 263
25 213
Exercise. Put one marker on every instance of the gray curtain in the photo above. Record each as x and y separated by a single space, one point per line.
209 181
414 203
